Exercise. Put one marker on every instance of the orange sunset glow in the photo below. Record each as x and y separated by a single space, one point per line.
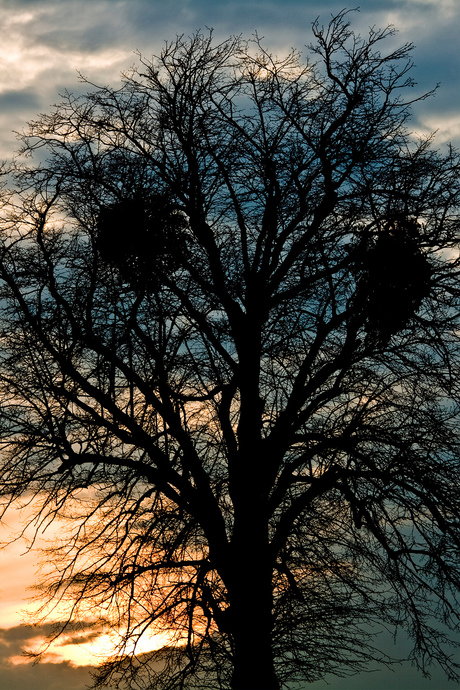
20 566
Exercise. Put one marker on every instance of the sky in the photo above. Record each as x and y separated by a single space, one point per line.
44 45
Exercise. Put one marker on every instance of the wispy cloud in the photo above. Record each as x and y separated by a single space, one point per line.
18 673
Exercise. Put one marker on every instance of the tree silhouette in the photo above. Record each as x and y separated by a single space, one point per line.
229 362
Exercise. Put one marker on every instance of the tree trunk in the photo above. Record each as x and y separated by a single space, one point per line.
253 667
251 603
250 584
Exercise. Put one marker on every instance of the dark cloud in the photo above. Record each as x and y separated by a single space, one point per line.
25 4
82 39
80 639
18 639
64 27
45 677
41 676
14 640
18 101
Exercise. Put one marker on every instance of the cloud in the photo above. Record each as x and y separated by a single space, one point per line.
18 673
81 639
45 677
16 641
13 101
45 44
445 127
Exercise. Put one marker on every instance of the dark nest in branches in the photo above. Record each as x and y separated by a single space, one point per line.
393 279
143 237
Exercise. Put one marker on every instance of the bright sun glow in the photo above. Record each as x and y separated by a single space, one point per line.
92 652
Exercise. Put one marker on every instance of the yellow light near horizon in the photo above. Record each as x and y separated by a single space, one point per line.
15 594
89 653
13 604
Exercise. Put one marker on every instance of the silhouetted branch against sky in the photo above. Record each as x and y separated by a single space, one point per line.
229 328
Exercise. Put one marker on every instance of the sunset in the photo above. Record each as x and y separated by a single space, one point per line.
230 318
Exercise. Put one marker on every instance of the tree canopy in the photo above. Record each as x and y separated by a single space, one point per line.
229 361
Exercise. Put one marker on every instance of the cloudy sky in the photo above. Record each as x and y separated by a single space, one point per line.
44 44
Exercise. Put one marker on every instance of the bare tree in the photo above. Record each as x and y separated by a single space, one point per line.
229 361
